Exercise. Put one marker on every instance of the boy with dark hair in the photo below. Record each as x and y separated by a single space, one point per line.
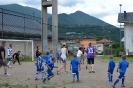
50 67
122 67
39 66
111 66
75 66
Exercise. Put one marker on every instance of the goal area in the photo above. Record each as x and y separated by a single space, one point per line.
25 46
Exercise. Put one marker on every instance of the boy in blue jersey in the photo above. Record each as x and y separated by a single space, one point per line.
47 58
75 65
111 66
58 55
50 67
122 67
51 54
39 66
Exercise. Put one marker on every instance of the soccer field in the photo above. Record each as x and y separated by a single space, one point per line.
22 76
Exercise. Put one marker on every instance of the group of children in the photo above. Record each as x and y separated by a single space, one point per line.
75 67
122 66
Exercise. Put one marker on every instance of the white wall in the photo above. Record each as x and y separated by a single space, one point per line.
128 35
99 48
26 47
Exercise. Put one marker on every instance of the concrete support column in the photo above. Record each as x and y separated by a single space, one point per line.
54 26
44 28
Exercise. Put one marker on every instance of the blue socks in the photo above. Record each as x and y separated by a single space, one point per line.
123 79
109 77
116 82
77 77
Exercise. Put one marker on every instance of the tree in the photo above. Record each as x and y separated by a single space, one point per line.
99 38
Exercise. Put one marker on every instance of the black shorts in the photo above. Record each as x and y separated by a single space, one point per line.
2 63
90 60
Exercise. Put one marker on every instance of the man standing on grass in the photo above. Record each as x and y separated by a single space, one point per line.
2 58
90 50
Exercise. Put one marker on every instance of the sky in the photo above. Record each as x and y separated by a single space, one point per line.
106 10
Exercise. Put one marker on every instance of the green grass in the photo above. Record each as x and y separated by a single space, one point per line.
116 59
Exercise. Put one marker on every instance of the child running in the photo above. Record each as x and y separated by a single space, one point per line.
75 65
122 67
50 67
111 66
39 66
9 50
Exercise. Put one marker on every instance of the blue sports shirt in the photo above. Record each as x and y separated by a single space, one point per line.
123 64
74 62
51 65
111 64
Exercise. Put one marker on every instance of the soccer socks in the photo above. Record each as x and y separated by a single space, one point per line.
8 63
36 76
109 77
42 75
116 82
77 77
73 75
123 79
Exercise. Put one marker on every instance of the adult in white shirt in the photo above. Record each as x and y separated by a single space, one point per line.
64 53
79 54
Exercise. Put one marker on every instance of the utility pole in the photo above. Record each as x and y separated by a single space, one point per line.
120 25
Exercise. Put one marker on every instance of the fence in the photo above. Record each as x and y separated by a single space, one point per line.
18 25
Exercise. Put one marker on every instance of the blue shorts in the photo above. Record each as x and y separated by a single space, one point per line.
50 73
10 59
75 71
121 75
111 71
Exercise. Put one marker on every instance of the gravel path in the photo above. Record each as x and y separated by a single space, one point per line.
24 74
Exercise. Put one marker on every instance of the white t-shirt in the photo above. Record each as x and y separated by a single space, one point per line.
79 54
63 53
9 50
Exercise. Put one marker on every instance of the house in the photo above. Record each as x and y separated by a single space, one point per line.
127 19
103 44
86 40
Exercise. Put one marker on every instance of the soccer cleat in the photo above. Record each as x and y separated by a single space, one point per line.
122 85
93 71
66 71
113 86
89 71
6 74
10 66
73 80
44 81
58 72
86 67
36 79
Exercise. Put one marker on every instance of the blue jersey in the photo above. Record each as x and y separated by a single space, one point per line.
51 56
123 64
51 65
111 64
58 54
39 63
74 62
47 58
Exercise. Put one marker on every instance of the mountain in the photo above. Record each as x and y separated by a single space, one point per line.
78 18
23 9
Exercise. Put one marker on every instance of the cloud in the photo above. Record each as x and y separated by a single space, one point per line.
107 10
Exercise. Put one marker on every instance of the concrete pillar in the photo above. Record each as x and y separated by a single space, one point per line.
44 28
54 26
